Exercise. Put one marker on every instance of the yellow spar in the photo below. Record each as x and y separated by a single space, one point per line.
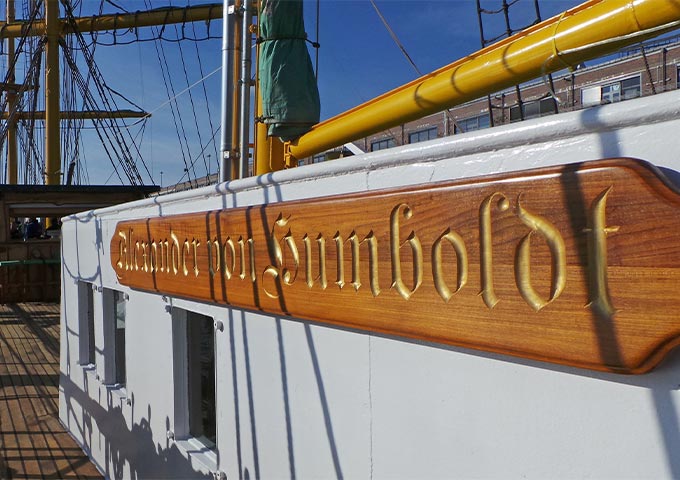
592 29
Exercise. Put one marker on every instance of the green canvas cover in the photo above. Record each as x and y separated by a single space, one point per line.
290 96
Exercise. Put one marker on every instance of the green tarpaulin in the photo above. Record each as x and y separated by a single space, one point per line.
290 97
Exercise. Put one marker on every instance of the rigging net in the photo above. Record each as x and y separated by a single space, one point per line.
495 16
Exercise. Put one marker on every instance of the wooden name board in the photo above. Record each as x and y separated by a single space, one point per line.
578 265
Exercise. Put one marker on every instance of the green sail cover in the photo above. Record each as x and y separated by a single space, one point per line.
290 97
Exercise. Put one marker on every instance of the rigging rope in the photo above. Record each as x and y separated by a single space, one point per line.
193 106
396 40
205 94
182 92
169 87
109 132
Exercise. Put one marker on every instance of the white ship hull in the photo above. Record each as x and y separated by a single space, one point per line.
296 399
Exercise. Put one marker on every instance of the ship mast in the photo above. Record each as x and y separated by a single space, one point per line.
53 28
52 120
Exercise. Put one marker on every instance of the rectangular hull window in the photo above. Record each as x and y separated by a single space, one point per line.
201 378
119 318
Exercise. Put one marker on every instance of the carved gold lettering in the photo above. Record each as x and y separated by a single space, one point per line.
555 242
395 252
251 249
136 256
185 251
372 244
195 244
129 249
165 256
174 254
597 231
214 256
309 278
276 253
340 257
122 251
153 256
456 241
242 257
229 251
287 277
486 246
354 246
145 263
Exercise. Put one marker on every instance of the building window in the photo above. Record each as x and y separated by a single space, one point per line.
319 157
383 144
677 81
621 90
422 135
535 109
119 337
86 323
195 412
472 123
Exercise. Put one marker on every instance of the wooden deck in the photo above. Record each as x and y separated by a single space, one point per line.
33 444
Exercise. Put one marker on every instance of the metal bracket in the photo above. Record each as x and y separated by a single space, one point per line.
289 160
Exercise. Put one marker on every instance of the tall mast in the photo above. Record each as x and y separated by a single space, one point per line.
12 170
226 143
52 120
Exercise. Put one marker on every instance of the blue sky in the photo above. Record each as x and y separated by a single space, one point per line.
358 60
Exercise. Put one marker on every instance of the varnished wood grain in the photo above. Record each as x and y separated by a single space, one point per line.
576 265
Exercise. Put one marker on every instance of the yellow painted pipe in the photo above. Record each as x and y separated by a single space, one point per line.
593 29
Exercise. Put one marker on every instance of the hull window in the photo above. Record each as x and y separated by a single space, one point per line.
201 378
119 338
86 323
194 378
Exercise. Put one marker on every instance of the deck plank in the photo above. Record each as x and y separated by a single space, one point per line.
33 444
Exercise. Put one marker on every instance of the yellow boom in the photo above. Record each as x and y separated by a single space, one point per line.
593 29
